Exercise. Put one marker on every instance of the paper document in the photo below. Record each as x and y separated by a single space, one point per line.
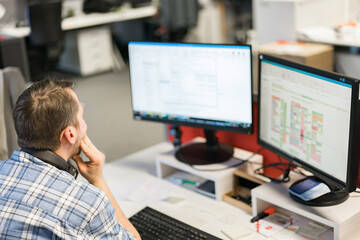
312 230
236 232
318 33
151 191
271 224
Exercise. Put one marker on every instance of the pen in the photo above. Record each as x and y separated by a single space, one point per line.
190 182
180 180
263 214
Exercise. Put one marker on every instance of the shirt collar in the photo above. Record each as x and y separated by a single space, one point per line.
53 159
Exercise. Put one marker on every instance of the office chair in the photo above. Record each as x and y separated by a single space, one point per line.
12 84
46 38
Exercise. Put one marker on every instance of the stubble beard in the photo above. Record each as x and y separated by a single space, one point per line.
77 149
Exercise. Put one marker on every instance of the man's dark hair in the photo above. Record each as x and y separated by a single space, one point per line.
42 112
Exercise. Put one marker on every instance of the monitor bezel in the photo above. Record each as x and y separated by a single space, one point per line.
248 130
353 152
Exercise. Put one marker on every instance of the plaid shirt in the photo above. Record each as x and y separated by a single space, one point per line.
39 201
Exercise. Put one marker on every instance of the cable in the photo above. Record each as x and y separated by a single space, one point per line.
242 161
176 133
286 172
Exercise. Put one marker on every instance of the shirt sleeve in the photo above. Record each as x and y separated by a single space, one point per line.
104 225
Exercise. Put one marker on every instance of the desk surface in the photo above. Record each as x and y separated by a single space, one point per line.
94 19
328 35
133 183
88 20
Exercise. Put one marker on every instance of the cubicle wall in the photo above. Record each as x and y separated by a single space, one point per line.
279 20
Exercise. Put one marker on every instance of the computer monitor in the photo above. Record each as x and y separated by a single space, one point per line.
311 118
199 85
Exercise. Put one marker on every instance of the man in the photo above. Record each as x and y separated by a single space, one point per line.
39 196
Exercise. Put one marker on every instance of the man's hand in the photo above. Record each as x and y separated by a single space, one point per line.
92 170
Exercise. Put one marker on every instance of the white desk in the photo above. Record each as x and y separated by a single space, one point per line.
89 20
133 183
346 62
343 219
95 19
327 35
89 51
134 175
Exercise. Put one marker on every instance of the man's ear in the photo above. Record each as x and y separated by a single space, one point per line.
69 134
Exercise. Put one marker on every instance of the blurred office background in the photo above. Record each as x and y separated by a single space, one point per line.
96 58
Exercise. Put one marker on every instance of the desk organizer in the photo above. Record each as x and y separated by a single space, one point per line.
343 220
167 164
244 182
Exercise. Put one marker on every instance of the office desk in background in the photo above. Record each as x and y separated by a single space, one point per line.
328 35
88 47
346 43
89 20
133 183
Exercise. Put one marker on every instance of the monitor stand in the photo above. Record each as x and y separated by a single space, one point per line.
336 196
205 153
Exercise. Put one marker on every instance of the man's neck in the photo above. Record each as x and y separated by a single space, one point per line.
63 153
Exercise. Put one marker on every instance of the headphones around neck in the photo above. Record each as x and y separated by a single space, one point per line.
54 160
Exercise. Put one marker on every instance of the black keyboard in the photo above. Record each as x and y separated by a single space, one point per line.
152 224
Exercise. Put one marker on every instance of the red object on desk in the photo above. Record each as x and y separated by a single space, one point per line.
263 214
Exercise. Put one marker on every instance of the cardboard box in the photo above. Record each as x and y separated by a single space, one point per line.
312 54
243 183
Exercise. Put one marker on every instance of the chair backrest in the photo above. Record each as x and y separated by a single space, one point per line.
45 22
12 84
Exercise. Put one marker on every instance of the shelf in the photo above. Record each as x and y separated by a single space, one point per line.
243 183
343 219
167 164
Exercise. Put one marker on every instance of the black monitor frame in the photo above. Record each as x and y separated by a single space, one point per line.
354 136
247 130
215 152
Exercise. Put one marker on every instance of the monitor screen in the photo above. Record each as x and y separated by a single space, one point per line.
193 84
308 116
199 85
